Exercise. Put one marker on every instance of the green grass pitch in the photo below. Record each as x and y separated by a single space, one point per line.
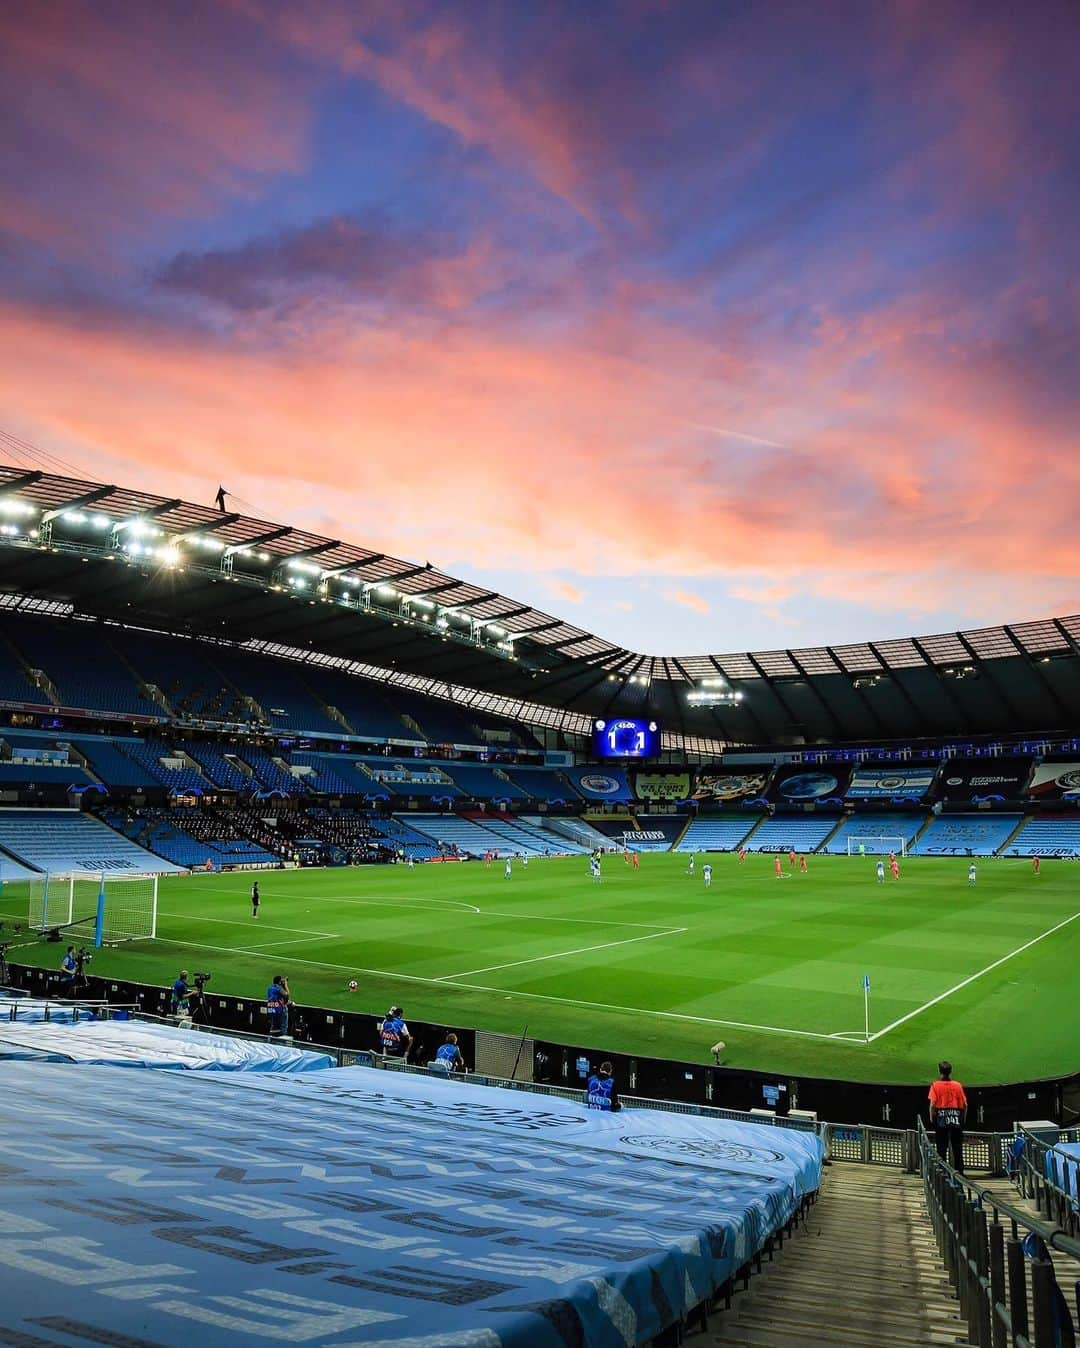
651 962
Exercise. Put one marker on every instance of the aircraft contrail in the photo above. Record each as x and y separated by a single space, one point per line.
738 435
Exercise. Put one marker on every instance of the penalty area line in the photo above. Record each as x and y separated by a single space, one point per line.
564 954
509 992
972 977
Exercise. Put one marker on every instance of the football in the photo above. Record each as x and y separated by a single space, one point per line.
353 985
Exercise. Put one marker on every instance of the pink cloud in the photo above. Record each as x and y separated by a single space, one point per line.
687 599
566 591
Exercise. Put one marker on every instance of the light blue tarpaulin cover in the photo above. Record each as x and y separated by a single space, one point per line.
137 1044
361 1207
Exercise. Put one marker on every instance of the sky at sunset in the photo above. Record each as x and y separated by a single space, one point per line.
704 325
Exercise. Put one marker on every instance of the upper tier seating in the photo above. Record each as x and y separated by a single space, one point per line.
269 775
802 832
441 722
220 770
720 833
63 841
410 778
110 764
25 768
184 672
84 668
542 784
867 826
15 685
332 774
279 689
482 783
1054 836
362 703
152 756
952 835
641 1217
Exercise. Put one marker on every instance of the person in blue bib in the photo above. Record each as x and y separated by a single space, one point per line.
450 1054
394 1037
277 1005
180 992
601 1093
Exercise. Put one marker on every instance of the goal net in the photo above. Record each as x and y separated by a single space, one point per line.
105 909
876 845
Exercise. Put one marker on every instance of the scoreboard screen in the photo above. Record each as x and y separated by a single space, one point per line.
624 737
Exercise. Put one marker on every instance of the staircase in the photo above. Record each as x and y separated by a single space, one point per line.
862 1271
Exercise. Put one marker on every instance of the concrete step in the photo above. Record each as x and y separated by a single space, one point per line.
862 1271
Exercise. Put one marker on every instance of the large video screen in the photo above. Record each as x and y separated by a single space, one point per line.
625 737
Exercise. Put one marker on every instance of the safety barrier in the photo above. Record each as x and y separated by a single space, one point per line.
985 1244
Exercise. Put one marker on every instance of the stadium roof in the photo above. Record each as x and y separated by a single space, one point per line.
156 561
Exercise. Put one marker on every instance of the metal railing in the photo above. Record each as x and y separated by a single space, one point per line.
986 1245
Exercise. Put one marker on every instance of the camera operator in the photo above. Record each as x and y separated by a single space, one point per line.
67 970
197 1007
181 992
82 959
277 1005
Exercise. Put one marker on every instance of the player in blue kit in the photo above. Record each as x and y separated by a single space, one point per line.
706 872
881 872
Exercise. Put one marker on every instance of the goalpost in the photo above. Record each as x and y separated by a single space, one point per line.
102 908
876 845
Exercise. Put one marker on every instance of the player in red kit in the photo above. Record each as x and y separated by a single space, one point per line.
742 855
894 867
635 863
802 864
778 870
791 858
1035 864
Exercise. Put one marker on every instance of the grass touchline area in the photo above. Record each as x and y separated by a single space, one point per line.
981 973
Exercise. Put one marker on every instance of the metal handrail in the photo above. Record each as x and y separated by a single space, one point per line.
986 1267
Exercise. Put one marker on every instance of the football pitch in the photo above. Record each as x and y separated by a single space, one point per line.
652 963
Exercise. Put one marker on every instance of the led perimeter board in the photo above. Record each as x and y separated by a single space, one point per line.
625 737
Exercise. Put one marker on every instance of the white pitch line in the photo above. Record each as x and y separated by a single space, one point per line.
532 996
563 954
972 977
440 905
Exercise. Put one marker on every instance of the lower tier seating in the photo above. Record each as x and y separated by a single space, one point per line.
1047 837
804 833
468 1215
879 832
720 834
63 841
955 835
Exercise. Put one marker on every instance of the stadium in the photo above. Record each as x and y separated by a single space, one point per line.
422 776
539 674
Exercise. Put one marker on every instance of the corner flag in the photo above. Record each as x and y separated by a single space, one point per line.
866 1005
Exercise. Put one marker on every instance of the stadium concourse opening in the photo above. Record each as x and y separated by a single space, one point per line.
511 822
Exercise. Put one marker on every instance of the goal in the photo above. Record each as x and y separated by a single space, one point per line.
102 908
876 845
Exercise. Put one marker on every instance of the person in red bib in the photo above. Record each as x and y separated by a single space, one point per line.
948 1111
